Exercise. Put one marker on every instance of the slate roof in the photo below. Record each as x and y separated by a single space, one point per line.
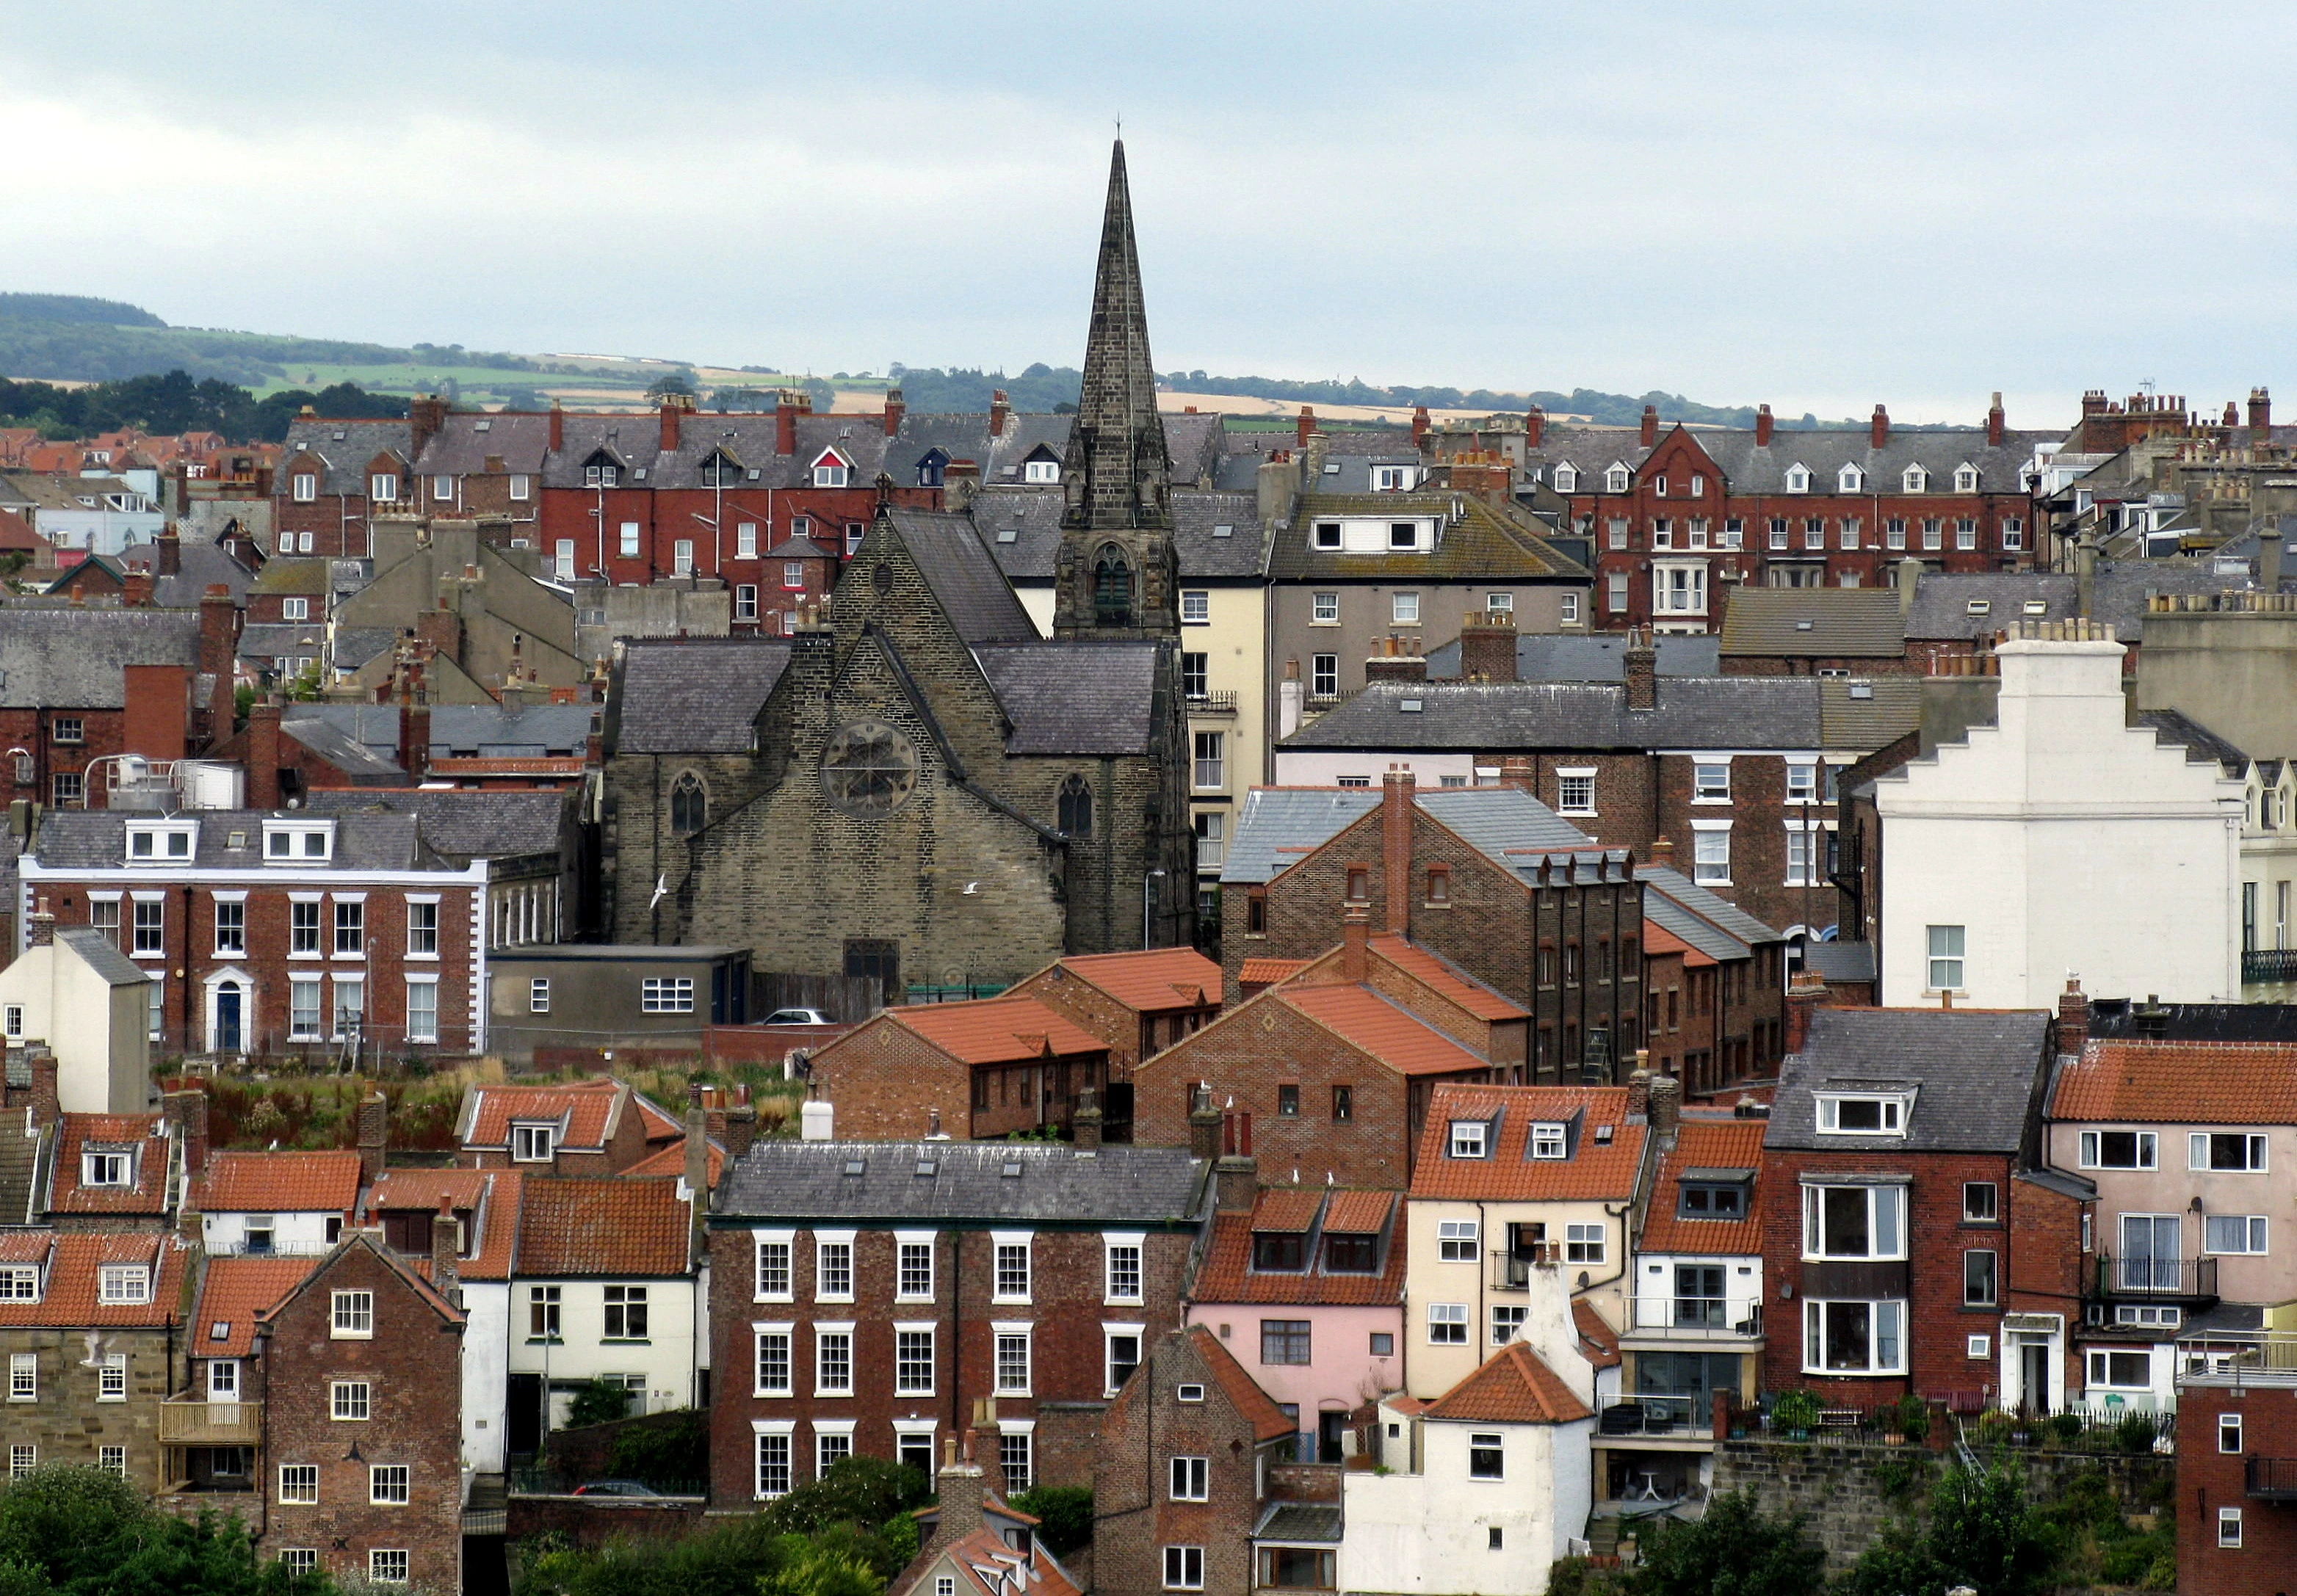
2201 745
1705 1145
963 576
309 577
346 447
68 1286
1693 712
269 640
1750 470
1813 622
1149 982
97 840
72 659
1657 940
1481 544
279 1183
1280 825
988 1030
1595 1171
1839 961
609 1225
1503 823
1544 656
1859 714
1974 1070
95 950
462 826
1053 1183
1515 1387
2198 1022
1942 600
199 566
234 1292
1021 530
1206 553
1717 911
2125 1080
694 694
463 441
1081 698
1227 1275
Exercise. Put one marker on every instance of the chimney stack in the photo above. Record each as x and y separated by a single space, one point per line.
1204 1125
1763 426
1391 661
1650 434
961 1489
187 1113
999 410
1304 425
425 416
1879 431
1665 1106
1487 646
1639 1085
669 423
1419 428
218 655
896 406
789 404
1516 772
167 552
46 1107
1236 1182
1997 423
446 1248
1805 993
1662 853
40 925
1535 427
1084 1125
1641 661
557 426
1398 790
2261 418
373 1135
2073 1017
1356 945
1909 574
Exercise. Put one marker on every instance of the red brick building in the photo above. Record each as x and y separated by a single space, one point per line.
1913 1239
1678 518
1136 1003
1715 1014
333 476
2237 1478
866 1296
981 1069
267 933
594 1127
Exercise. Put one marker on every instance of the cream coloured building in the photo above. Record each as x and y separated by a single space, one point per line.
72 991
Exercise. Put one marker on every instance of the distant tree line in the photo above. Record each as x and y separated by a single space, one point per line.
176 403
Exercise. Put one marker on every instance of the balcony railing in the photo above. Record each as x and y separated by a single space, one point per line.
1680 1415
2187 1279
1212 703
1708 1316
2260 964
2270 1479
187 1421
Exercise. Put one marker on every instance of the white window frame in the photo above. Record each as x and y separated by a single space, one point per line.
1459 1241
388 1565
828 1334
1113 1243
2229 1529
1893 1112
1710 852
420 1030
1468 1138
2252 1235
1445 1319
1575 790
1323 609
350 1316
122 1283
786 1243
2253 1143
1004 1336
1880 1248
298 1485
1404 609
1946 965
833 1444
389 1485
2089 1148
1879 1312
785 1332
833 1258
780 1431
1550 1138
913 1387
1196 608
1187 1477
1586 1244
907 1245
349 1402
1001 1279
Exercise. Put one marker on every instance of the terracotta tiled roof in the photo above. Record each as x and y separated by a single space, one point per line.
610 1225
586 1112
1440 976
25 1246
660 1123
987 1566
1597 1339
1659 939
491 1196
1148 982
235 1293
1268 972
1362 1017
1596 1170
1258 1408
279 1183
1515 1387
1287 1208
139 1133
1704 1144
371 1240
1227 1275
672 1161
2185 1083
992 1029
68 1298
1358 1212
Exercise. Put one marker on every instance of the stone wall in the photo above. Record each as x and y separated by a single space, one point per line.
1849 1491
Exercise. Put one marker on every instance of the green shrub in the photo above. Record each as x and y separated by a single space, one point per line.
1064 1516
1795 1410
597 1402
1914 1417
2136 1432
663 1455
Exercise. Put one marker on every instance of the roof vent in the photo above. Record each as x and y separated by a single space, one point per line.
1802 626
2036 606
1862 689
1224 530
857 1166
1980 606
1011 1172
1412 706
483 426
927 1166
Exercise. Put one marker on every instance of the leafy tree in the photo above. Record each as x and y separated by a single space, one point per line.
810 1570
68 1531
1982 1532
1736 1550
661 1455
860 1491
597 1402
1064 1516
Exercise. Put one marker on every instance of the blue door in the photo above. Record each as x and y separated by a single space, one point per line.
226 1026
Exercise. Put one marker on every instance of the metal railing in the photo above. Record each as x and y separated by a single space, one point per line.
1212 703
1510 1272
187 1421
1709 1316
1657 1416
2270 1479
2149 1276
2269 963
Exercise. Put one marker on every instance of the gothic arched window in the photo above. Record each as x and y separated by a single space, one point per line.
689 805
1077 807
1112 587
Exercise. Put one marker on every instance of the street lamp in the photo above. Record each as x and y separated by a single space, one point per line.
1147 887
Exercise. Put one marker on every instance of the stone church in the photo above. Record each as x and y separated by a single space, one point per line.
915 784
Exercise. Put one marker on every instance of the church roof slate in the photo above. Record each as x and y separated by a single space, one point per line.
957 564
695 694
1090 698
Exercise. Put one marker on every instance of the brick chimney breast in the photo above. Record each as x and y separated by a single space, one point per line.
1650 434
1879 430
1398 794
1763 426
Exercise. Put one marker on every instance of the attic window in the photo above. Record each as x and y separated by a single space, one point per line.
2036 606
107 1169
1470 1138
1803 625
1798 480
1010 533
1411 706
293 842
1188 1393
1712 1199
237 839
1980 606
532 1144
1603 1135
1547 1140
338 436
483 426
1011 1172
1862 1115
220 1330
927 1166
1224 530
857 1166
1567 480
1331 468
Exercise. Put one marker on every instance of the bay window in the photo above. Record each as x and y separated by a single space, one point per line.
1853 1338
1854 1221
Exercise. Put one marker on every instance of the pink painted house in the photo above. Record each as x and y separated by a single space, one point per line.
1305 1289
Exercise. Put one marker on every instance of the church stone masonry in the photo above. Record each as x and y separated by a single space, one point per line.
930 792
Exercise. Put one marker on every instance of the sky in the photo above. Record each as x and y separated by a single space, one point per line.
1821 207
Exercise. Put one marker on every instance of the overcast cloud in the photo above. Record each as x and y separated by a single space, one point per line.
1819 206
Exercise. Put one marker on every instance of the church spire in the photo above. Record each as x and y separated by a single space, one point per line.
1117 472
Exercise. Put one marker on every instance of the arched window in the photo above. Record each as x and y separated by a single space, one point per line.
689 805
1077 807
1112 587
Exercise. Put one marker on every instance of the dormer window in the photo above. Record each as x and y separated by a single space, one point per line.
1351 1255
719 470
1966 479
297 842
1404 534
19 1283
831 470
532 1143
107 1169
1849 479
1861 1115
933 470
601 470
1567 478
1042 467
1797 478
1279 1252
123 1283
1916 480
170 843
1394 479
1978 606
1470 1138
1548 1140
2035 607
1615 480
1711 1199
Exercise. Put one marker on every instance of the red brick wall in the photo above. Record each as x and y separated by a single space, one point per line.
2209 1479
414 1392
102 731
1135 1516
886 1081
1067 1309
